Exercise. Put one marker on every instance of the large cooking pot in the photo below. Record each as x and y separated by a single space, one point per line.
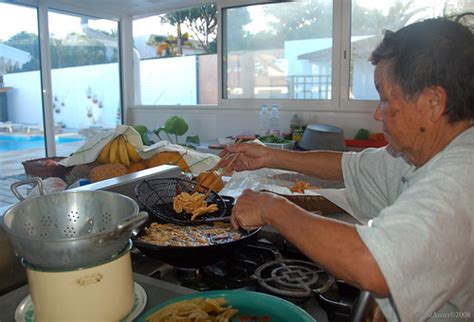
191 256
104 292
68 230
322 137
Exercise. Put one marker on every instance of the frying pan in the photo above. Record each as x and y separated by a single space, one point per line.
156 196
191 256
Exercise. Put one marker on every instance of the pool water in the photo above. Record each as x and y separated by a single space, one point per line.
15 142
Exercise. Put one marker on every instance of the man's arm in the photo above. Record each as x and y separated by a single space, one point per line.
334 245
321 164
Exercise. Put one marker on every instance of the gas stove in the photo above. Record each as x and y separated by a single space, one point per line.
267 263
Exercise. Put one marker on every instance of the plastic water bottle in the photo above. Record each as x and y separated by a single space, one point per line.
263 121
274 121
294 123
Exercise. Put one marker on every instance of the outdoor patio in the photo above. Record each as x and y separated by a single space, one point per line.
12 170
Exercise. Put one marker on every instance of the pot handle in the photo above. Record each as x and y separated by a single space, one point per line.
340 307
35 180
325 287
129 224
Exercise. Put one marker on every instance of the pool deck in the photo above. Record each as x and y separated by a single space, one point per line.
11 169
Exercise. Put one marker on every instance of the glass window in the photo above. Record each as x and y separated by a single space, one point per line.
21 109
370 18
175 57
85 75
278 50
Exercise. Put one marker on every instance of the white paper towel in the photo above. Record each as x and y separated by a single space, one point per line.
279 181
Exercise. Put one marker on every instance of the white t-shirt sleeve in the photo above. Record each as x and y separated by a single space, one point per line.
371 180
421 245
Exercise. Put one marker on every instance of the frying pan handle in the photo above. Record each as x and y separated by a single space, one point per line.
35 180
229 201
130 223
216 219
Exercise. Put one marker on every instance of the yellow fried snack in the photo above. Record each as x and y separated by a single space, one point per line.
194 310
300 186
193 204
209 180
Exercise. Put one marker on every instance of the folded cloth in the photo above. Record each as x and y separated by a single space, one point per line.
90 150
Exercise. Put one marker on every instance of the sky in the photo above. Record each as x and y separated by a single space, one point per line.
60 24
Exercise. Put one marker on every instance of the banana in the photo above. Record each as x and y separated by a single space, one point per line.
123 155
113 155
104 154
132 153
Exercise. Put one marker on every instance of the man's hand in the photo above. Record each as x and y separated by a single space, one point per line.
252 156
253 208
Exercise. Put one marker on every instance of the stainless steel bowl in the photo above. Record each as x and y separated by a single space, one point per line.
69 230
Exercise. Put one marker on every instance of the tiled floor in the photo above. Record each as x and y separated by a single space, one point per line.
11 169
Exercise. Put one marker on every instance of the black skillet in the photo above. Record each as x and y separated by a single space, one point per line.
191 256
156 196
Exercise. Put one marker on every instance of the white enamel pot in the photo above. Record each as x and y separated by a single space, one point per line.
101 293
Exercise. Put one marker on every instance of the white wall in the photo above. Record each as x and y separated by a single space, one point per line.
210 123
69 86
168 81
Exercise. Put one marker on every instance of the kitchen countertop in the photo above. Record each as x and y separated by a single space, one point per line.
157 292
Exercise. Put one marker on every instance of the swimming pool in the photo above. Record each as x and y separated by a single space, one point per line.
17 142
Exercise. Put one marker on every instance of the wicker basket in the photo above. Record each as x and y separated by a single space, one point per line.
44 168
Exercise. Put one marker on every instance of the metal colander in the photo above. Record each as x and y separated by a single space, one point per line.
69 230
156 196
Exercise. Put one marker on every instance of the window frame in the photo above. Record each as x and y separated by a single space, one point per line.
339 101
43 7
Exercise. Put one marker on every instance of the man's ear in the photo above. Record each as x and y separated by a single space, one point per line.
437 98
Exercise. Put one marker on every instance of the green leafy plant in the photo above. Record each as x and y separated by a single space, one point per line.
272 139
176 126
144 134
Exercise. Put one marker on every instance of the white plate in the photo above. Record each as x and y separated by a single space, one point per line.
24 312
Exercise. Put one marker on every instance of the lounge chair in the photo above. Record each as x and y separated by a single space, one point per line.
9 126
34 128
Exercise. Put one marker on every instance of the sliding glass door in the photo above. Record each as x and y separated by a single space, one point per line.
85 77
21 107
55 91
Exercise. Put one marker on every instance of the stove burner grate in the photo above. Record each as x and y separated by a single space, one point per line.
295 279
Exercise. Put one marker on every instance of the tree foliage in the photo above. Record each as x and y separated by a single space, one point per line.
310 20
74 50
27 42
201 21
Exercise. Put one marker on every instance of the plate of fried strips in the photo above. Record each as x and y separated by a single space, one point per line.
226 306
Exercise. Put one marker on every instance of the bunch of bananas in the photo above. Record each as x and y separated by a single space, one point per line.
119 150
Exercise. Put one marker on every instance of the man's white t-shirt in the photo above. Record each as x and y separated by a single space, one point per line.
422 234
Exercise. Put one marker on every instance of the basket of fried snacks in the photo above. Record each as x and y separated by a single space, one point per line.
177 200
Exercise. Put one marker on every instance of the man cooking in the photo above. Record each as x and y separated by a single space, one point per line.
417 257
